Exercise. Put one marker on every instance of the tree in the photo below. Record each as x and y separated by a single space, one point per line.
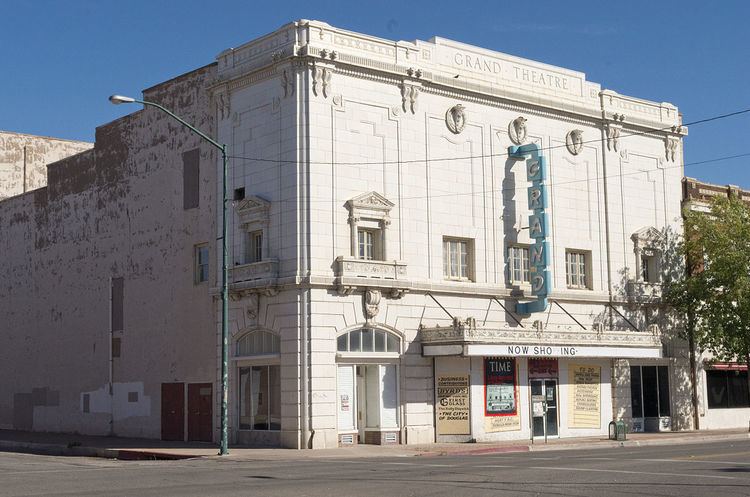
714 295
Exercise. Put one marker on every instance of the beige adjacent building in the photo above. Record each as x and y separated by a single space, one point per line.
24 159
430 241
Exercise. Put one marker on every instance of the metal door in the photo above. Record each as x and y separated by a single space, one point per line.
173 411
200 412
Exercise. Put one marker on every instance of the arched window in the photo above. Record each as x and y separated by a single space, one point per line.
257 342
368 340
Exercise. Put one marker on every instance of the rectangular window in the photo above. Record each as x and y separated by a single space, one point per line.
649 272
727 389
576 269
367 244
260 398
457 261
201 263
518 264
190 179
254 246
117 304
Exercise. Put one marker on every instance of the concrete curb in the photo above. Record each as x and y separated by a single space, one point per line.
140 455
642 443
82 451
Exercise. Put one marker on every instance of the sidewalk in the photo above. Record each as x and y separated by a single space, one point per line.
60 444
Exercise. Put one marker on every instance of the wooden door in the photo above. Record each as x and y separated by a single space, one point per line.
200 412
173 411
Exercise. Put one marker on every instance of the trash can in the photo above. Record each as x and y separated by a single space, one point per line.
617 430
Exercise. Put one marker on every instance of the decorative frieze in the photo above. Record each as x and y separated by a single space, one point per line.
613 137
264 270
360 268
409 96
321 80
287 83
466 332
671 144
371 303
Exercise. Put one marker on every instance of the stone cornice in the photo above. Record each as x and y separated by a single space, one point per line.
412 286
431 65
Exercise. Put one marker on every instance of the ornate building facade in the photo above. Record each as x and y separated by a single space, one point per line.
430 241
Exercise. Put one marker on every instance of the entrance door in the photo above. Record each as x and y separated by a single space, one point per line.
173 411
361 393
544 408
200 412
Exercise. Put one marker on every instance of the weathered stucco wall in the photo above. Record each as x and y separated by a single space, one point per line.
24 160
116 211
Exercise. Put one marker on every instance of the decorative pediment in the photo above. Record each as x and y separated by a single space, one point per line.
647 237
252 210
370 201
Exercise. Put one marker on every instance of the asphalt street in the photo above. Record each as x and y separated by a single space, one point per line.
709 469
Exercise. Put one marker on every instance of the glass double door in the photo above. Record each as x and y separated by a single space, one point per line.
544 407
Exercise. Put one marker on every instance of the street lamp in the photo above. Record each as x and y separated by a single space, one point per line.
223 447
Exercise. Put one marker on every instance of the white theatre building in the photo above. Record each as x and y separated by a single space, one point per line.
383 242
430 242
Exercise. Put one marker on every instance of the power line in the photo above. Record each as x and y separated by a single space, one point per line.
483 156
549 185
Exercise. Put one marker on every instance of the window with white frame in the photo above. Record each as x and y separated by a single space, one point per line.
200 263
259 381
253 212
368 340
368 241
260 398
457 259
647 246
577 269
518 264
369 220
254 246
649 273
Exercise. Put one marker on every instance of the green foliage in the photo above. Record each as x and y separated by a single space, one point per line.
716 296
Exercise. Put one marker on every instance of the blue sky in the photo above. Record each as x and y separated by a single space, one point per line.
63 58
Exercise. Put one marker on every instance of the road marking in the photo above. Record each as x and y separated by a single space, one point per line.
721 454
680 460
495 466
622 471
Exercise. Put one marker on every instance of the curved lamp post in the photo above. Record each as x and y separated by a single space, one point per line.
223 450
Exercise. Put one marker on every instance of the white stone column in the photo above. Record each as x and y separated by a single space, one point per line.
353 222
383 238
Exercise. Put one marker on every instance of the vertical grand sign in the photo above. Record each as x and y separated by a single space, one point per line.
500 395
536 172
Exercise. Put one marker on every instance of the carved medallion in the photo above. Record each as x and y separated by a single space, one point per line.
371 304
574 141
517 130
455 119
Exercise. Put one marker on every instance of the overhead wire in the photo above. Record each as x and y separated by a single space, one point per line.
523 186
488 156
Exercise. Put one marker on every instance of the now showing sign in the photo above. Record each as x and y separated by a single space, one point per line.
542 350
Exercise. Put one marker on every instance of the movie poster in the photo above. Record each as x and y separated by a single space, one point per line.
500 386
